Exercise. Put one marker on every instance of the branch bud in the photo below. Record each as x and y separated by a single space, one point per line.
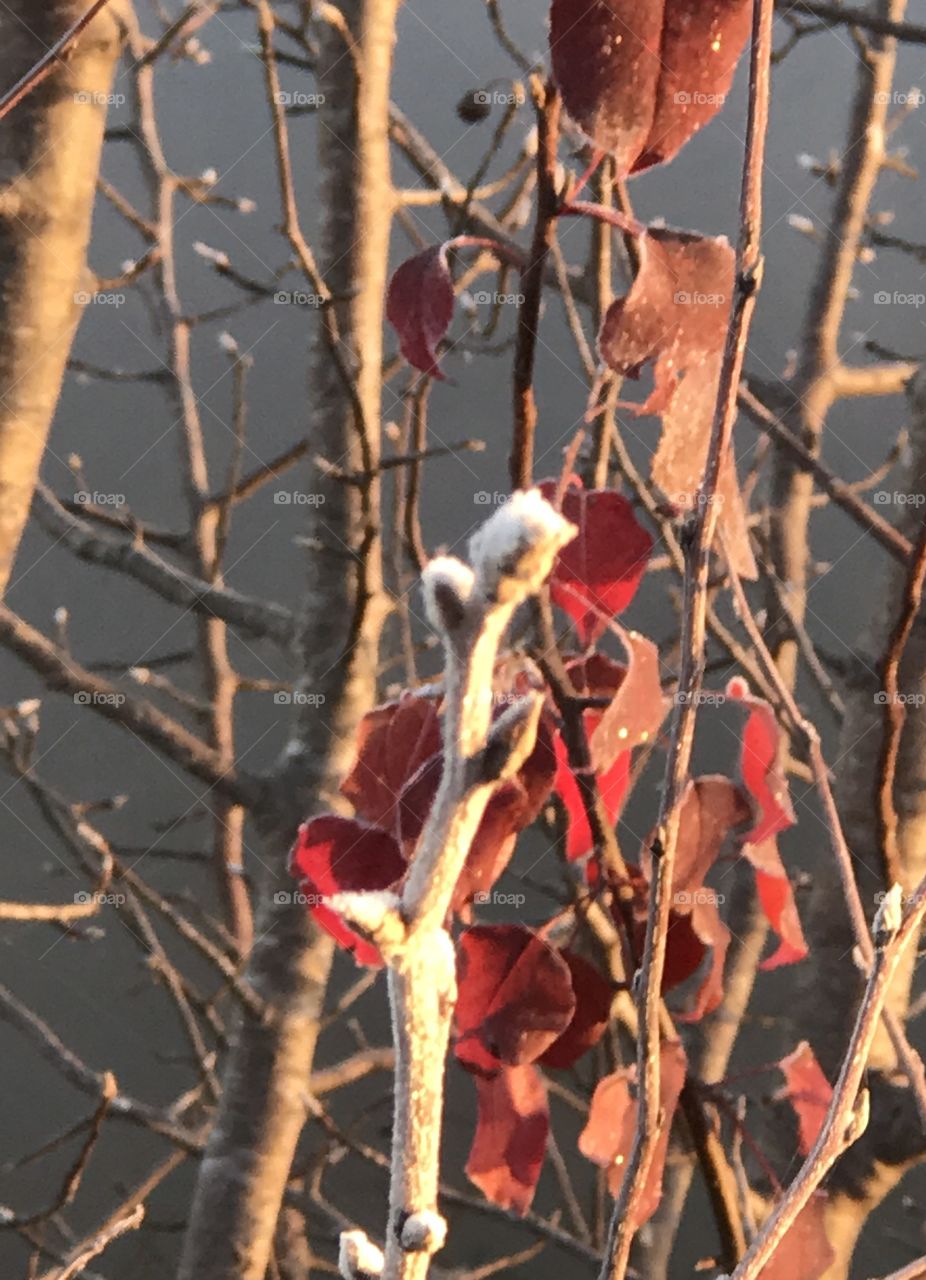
358 1256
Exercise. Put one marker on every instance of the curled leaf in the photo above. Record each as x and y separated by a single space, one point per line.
608 1136
640 79
596 575
393 741
675 316
808 1091
419 306
592 1012
510 1142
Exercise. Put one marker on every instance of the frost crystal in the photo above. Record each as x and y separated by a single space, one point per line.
515 549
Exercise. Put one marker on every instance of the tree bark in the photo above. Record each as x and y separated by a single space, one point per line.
264 1105
49 158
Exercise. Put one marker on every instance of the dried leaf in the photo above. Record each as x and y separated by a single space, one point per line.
808 1091
675 316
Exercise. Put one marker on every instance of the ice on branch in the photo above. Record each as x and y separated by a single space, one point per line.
424 1231
447 584
358 1256
374 913
514 550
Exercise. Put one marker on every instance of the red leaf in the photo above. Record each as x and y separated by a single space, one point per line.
712 932
514 999
419 306
333 854
808 1091
593 1011
392 742
637 709
641 79
805 1252
597 574
511 1137
712 808
608 1136
676 315
760 770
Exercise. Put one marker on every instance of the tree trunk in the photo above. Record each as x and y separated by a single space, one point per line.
49 157
249 1155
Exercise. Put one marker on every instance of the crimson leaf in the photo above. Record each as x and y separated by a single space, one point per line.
641 79
511 1137
515 997
596 575
419 306
333 854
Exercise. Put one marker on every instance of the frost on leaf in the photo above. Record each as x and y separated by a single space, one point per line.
511 1137
597 574
808 1091
805 1252
607 1138
419 306
336 855
637 709
675 316
640 79
515 997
